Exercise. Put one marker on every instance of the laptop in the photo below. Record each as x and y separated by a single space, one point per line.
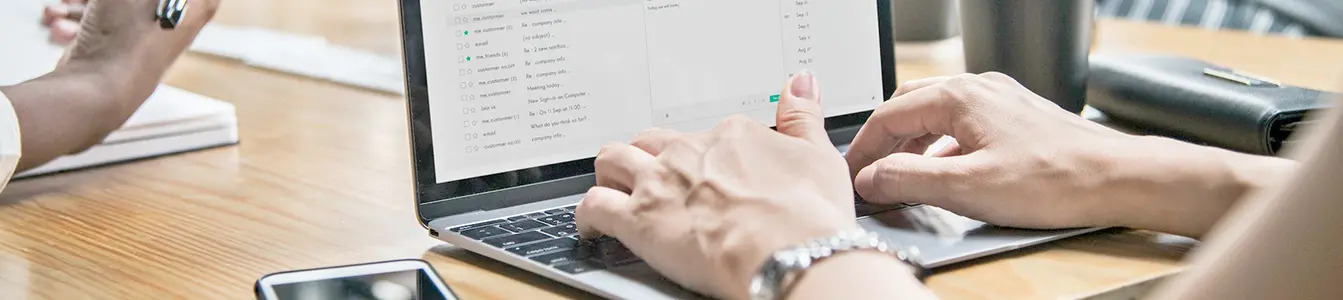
509 101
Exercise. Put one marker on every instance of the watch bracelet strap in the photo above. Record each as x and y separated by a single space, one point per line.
802 256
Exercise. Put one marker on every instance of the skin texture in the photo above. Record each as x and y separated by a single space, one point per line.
706 209
1016 150
114 64
1283 242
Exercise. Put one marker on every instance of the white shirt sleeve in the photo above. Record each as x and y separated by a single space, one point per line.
11 146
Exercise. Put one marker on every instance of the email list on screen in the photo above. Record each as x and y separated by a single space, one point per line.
520 84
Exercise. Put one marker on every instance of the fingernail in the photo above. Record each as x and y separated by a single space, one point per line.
804 85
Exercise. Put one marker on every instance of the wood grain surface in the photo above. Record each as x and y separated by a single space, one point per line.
322 177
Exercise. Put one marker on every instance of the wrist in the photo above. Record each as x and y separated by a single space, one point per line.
131 57
125 78
765 248
859 274
1253 172
101 90
849 261
779 273
1172 186
787 230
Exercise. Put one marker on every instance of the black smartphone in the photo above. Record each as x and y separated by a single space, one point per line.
409 279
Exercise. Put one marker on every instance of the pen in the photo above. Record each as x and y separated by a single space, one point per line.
170 13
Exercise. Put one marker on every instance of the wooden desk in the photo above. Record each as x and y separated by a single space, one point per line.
322 178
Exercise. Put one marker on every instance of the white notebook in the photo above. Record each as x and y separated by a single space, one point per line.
172 120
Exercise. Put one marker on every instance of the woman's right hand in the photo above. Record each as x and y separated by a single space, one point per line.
126 29
118 57
1021 161
120 42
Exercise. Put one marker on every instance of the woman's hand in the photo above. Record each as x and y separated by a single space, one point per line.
706 209
125 30
120 42
1019 160
118 57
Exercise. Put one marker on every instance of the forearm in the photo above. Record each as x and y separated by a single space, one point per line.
1189 188
860 275
74 107
1283 242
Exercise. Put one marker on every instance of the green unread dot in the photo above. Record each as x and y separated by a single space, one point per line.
774 98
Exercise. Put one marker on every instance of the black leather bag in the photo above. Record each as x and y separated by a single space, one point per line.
1199 102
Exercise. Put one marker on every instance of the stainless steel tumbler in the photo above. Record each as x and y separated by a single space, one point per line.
1042 43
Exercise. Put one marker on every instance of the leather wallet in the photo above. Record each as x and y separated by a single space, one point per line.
1199 102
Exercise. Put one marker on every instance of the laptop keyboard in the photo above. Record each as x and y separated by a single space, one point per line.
551 238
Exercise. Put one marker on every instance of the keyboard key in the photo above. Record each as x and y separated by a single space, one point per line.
867 209
561 257
516 239
477 225
607 246
611 252
551 220
617 258
579 266
565 217
524 225
486 232
558 219
556 211
517 218
562 230
570 208
536 215
543 247
620 260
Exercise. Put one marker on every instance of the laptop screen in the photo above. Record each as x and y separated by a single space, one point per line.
521 92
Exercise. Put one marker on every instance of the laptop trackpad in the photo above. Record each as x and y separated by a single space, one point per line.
943 237
651 284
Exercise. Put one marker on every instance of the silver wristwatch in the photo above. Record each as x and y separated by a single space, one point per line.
780 269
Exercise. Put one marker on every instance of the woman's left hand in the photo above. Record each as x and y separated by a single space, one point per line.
706 209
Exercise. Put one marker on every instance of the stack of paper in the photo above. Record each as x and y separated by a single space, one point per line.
170 121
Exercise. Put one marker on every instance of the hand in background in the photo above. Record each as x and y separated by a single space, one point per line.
706 209
120 40
125 29
117 59
1021 161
